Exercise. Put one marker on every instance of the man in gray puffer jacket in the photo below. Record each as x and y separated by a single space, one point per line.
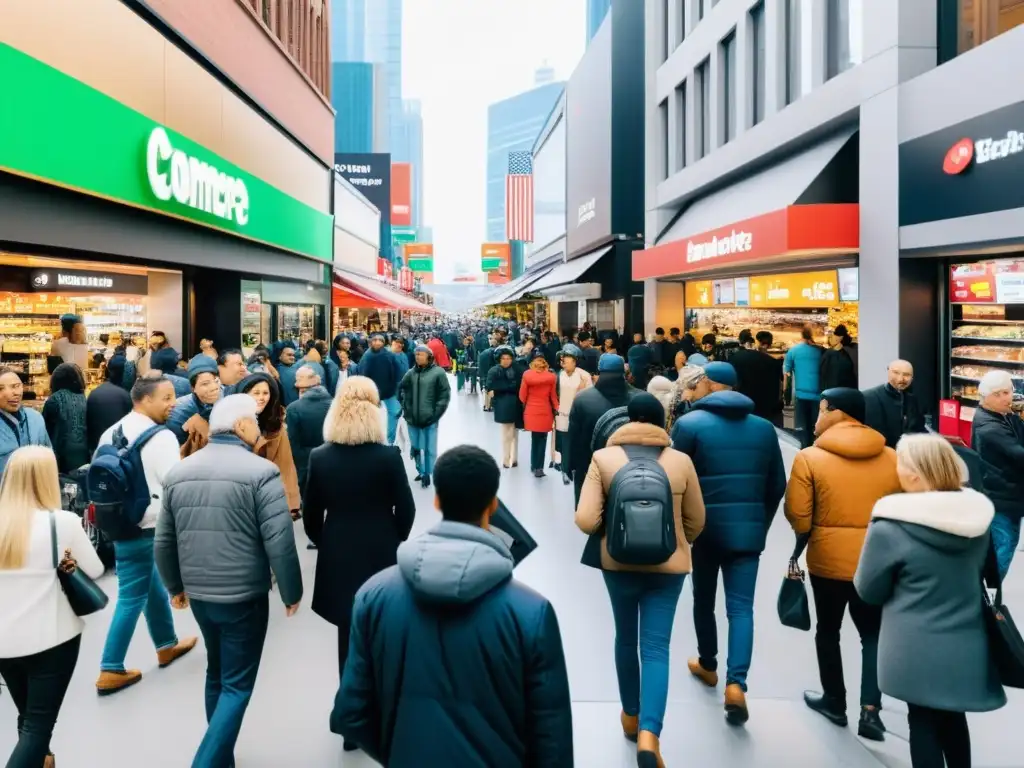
225 525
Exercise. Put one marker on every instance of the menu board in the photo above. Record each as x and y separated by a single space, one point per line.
849 284
34 304
724 292
742 291
987 282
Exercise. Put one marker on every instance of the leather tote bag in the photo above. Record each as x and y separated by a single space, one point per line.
84 595
1004 639
793 607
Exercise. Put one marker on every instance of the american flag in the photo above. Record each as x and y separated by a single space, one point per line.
519 197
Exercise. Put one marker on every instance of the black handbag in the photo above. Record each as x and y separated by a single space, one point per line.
793 608
1004 640
84 594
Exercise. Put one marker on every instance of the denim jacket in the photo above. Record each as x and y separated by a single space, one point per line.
30 430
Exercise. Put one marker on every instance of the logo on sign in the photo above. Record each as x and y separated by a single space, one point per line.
958 158
587 212
41 280
735 242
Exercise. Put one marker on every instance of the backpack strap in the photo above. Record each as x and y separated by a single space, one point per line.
53 540
140 442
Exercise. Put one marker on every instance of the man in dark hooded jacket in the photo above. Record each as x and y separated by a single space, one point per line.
452 662
610 390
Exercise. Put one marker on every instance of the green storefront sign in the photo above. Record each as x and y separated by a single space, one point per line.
403 235
491 263
58 130
421 264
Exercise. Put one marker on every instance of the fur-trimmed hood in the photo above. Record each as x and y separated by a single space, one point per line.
962 514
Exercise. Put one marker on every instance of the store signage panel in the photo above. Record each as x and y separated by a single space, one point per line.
403 235
971 168
987 282
121 155
401 194
798 290
742 291
419 257
370 173
849 284
78 282
495 257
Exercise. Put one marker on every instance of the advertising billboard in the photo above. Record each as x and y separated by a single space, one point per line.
370 173
401 194
800 290
496 257
419 257
589 148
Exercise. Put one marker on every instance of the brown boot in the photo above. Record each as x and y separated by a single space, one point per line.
630 725
735 705
706 676
648 751
50 761
168 656
112 682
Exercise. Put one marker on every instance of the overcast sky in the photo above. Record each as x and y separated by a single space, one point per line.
459 56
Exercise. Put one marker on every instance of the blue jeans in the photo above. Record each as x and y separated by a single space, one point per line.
644 606
424 440
234 634
393 407
1005 531
139 591
739 574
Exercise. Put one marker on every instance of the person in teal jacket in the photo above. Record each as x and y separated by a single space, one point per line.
803 363
19 426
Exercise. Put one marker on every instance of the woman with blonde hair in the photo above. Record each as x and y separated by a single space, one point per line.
39 632
356 525
922 561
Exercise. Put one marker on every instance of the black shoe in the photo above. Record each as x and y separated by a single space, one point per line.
827 706
417 478
551 465
557 466
565 479
871 726
538 473
310 545
425 482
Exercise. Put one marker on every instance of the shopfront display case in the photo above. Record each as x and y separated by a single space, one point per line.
986 325
298 322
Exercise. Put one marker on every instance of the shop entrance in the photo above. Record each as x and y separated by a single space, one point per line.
297 322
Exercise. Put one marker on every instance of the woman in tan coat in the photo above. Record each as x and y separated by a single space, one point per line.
273 444
643 598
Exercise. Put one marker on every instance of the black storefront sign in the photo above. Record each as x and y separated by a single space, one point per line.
971 168
370 173
77 281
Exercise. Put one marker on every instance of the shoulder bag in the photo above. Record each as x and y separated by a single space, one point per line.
792 605
1004 640
84 595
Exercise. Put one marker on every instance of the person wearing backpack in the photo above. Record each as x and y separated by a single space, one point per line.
739 463
140 443
642 507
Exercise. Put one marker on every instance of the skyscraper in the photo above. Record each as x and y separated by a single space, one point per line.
360 99
407 147
513 126
596 11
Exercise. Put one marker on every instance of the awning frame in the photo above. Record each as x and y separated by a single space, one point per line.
389 298
571 271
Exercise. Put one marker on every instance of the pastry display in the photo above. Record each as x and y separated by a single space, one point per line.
985 353
1008 332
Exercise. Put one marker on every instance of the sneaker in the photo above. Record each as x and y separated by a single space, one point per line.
871 726
168 656
112 682
425 482
828 707
706 676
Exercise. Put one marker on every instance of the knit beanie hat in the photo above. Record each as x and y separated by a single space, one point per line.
201 363
645 408
166 360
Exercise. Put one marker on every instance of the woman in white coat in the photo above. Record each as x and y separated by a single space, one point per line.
39 633
570 382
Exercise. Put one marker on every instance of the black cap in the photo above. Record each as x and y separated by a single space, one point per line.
848 400
645 408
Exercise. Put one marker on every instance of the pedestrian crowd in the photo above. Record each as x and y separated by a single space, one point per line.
198 472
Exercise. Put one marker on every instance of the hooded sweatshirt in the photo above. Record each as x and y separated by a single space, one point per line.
833 486
444 648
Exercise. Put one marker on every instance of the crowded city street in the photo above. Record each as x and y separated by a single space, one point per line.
158 721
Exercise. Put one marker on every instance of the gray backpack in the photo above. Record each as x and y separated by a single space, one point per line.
639 518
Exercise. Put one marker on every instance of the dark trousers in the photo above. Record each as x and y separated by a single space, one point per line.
805 416
938 738
37 684
831 597
538 447
234 635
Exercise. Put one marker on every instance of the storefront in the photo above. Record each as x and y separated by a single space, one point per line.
126 197
375 303
962 235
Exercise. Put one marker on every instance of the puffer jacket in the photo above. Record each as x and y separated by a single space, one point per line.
999 440
833 487
504 704
687 502
424 394
739 463
29 430
224 526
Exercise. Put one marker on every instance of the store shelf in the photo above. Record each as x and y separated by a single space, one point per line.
988 339
986 321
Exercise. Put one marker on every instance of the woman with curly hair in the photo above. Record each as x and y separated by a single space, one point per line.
357 531
273 444
64 414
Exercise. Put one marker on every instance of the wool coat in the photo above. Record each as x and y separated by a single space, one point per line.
540 403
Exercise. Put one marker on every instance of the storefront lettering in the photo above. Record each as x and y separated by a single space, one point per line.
192 182
81 281
735 242
986 150
820 292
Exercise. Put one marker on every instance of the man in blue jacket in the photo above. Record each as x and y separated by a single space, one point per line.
451 661
21 426
743 479
381 364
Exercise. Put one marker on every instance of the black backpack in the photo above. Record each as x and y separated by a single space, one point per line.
117 486
607 423
639 518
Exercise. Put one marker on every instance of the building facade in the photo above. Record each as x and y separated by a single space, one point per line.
787 141
196 199
513 125
597 10
409 149
360 98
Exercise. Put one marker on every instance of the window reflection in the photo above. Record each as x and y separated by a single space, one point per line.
981 20
845 35
799 49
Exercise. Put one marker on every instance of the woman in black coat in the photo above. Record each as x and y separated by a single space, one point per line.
503 385
356 526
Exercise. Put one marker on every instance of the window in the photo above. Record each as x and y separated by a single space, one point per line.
703 106
681 19
799 45
845 35
664 139
266 12
758 68
729 88
978 21
680 137
701 9
666 40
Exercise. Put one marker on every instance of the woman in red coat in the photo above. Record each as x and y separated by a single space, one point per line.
440 351
540 402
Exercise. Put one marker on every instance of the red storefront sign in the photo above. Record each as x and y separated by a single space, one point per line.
791 232
405 279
